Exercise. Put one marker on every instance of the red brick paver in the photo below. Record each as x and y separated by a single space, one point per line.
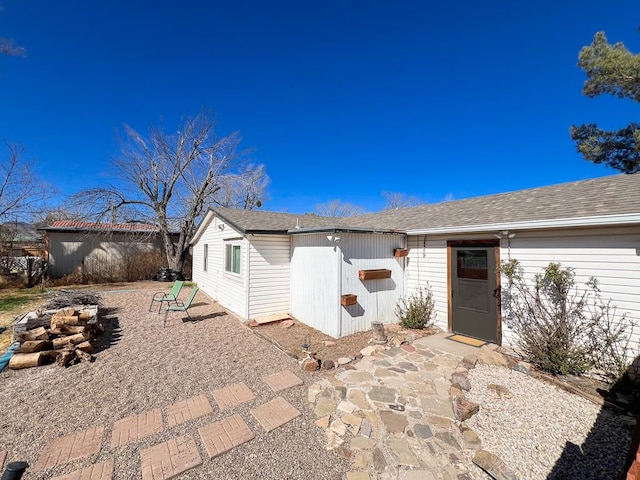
136 427
99 471
169 459
232 395
70 447
282 380
275 413
188 409
222 436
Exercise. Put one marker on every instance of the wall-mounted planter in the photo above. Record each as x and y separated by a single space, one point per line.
348 299
400 252
374 274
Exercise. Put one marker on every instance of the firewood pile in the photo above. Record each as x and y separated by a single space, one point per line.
63 336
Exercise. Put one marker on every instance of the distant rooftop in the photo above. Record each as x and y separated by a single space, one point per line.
79 226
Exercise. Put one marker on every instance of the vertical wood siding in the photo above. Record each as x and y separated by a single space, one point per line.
315 299
68 250
376 298
269 276
227 289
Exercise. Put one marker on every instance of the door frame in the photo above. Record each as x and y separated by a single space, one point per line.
495 243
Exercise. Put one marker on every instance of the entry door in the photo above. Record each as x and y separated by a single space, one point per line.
473 286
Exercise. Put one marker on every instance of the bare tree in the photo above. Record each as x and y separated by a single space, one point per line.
170 179
338 208
21 192
395 200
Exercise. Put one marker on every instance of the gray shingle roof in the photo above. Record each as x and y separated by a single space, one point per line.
612 195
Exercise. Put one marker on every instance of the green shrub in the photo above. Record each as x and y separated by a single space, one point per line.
417 310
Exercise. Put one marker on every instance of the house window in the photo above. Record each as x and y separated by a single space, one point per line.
232 258
206 256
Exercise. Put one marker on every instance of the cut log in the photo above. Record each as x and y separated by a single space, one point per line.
62 342
65 357
31 346
67 312
34 334
68 329
84 356
67 320
26 360
84 315
85 347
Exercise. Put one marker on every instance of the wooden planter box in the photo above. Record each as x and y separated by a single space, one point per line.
400 252
374 274
348 299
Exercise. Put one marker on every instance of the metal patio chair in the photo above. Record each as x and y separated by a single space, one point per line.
171 297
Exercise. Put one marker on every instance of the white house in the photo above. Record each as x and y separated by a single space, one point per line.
257 263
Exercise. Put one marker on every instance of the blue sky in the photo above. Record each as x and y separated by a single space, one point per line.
338 99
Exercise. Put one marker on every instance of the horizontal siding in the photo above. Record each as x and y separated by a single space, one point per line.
612 258
269 275
228 290
427 265
314 282
377 299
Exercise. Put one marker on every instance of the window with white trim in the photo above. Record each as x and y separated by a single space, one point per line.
205 257
232 258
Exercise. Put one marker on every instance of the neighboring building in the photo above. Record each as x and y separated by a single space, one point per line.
20 239
258 263
72 245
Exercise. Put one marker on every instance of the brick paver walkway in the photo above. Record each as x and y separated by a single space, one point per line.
282 380
99 471
169 459
133 428
70 447
222 436
232 395
275 413
188 409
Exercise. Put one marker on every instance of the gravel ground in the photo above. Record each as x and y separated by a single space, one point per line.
542 432
146 366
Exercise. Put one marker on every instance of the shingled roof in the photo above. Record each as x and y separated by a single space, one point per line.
613 196
607 196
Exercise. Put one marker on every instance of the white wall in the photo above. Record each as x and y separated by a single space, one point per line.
377 299
315 267
269 275
228 289
612 255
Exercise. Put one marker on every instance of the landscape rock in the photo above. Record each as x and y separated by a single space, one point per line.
461 381
499 391
287 324
324 421
469 361
344 360
310 365
493 465
464 409
367 351
488 356
328 364
523 367
471 439
329 343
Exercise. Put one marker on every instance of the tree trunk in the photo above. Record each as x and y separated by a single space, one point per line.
31 346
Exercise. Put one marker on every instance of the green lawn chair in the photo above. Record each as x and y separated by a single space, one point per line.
181 306
170 297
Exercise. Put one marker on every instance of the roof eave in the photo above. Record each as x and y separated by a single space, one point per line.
338 229
595 221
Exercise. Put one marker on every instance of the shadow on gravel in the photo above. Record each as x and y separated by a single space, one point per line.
112 331
200 318
609 449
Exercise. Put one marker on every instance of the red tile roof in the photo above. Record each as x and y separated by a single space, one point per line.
74 225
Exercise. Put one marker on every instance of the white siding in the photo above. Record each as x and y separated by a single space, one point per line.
611 255
376 298
228 289
269 274
98 251
427 265
315 267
